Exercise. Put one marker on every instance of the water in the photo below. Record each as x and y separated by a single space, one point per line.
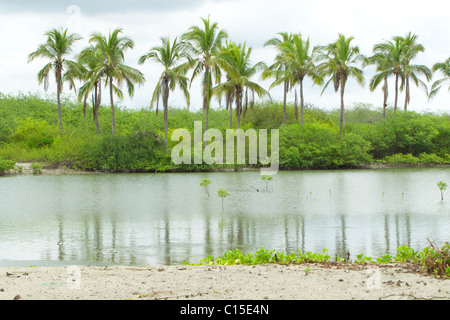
165 219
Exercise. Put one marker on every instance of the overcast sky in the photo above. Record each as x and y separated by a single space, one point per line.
23 24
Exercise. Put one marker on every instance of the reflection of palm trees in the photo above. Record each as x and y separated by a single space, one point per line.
166 239
386 232
341 246
60 243
403 238
97 237
208 249
299 242
408 229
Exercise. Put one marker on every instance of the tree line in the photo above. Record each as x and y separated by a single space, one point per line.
226 69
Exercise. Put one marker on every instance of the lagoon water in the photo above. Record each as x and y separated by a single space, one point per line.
167 218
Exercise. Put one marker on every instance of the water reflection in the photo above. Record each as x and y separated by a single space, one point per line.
167 218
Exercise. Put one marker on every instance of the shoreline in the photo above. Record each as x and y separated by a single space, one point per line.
59 170
212 282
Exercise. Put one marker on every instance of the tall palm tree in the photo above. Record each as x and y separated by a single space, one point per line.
410 50
444 67
235 61
392 51
176 61
112 52
204 44
278 69
90 63
57 47
340 61
229 91
383 64
298 57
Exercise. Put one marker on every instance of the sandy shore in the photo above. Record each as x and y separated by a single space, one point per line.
270 281
60 170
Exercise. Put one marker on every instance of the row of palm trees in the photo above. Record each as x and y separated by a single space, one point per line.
226 70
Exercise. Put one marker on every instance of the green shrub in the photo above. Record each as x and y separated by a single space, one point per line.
6 165
36 168
121 152
34 133
430 158
401 159
436 260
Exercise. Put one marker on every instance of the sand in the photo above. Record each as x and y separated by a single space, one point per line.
261 282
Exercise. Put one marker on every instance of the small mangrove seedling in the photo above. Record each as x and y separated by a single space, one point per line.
442 187
266 179
223 194
204 182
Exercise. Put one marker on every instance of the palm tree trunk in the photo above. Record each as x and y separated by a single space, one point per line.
95 106
166 110
58 98
238 107
206 96
230 107
84 106
385 92
206 117
302 106
284 102
342 117
396 92
98 100
113 115
97 126
295 106
406 94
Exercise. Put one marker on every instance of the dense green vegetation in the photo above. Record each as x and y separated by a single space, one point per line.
433 259
140 139
29 132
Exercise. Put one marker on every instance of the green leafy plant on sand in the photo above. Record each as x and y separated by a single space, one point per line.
432 259
204 182
442 187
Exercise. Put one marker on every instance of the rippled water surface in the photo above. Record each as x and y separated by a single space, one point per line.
168 218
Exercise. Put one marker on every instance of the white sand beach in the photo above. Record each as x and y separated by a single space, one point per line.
269 281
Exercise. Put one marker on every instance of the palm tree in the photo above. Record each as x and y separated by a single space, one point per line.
112 52
340 61
392 64
90 62
235 61
171 57
298 58
205 44
383 64
410 50
444 67
57 47
278 69
229 91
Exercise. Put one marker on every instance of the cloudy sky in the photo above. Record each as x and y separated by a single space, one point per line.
24 22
